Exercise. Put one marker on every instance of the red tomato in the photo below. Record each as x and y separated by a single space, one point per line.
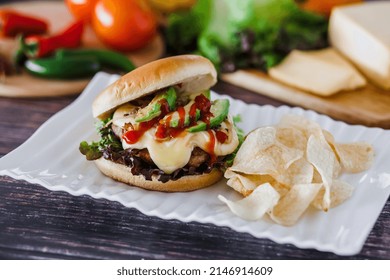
81 9
124 25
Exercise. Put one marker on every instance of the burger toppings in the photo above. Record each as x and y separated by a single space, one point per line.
171 134
174 134
161 104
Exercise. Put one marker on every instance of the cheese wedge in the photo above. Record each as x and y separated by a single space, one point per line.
324 72
361 32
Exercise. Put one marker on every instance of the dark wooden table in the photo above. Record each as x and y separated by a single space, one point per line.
36 223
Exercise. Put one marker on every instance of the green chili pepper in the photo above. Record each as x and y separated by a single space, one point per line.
65 68
107 58
18 60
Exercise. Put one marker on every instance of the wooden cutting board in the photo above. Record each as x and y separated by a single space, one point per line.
58 17
368 106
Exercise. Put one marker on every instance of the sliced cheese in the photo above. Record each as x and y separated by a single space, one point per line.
322 72
175 153
361 32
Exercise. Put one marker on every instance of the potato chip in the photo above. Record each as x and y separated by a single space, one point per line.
321 156
261 138
268 161
306 126
339 192
280 188
284 169
235 183
245 184
291 207
336 168
316 177
330 140
291 137
262 165
300 172
355 157
289 155
254 206
229 173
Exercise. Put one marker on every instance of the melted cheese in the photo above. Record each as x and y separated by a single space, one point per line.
174 153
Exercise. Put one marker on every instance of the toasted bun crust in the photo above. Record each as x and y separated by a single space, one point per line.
123 174
194 72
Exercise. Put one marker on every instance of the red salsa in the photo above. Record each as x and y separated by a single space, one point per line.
204 105
132 136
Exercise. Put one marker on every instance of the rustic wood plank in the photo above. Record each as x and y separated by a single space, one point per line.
368 106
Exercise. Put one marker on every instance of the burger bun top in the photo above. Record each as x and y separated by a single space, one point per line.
194 73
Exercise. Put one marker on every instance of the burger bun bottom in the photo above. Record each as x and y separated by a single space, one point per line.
123 174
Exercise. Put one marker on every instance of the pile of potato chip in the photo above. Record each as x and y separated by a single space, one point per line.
284 169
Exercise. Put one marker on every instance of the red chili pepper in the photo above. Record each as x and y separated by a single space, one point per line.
13 23
40 46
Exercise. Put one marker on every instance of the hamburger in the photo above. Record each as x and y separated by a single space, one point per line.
159 128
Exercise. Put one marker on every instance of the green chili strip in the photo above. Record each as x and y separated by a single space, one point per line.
107 58
69 68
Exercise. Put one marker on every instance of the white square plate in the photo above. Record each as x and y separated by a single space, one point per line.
51 158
